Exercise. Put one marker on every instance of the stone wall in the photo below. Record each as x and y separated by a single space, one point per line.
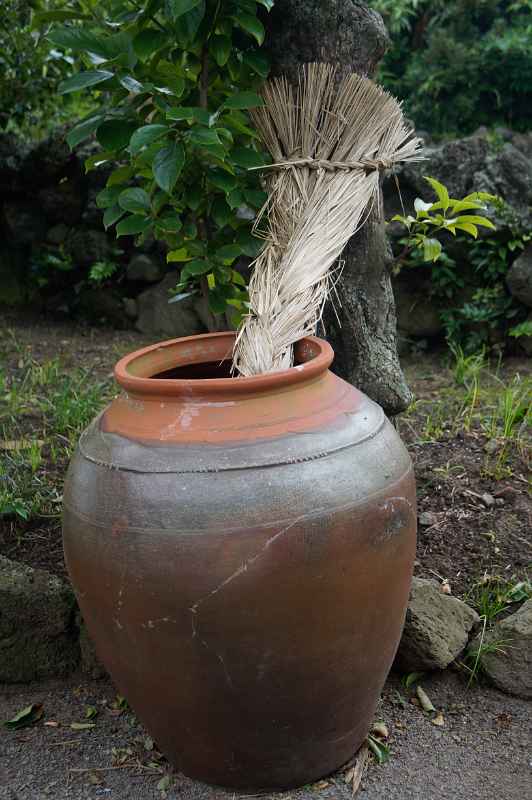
48 214
52 233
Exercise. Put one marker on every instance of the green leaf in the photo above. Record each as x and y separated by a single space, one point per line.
237 121
148 41
112 215
196 267
78 39
257 62
237 278
441 191
42 17
222 180
468 228
250 245
217 302
97 160
420 205
268 4
464 205
167 166
193 197
108 197
235 198
133 225
251 25
135 200
83 130
189 113
220 47
228 252
246 157
220 212
131 84
178 255
187 26
145 136
170 223
431 249
27 716
84 79
120 175
475 220
203 136
242 100
176 8
115 133
255 197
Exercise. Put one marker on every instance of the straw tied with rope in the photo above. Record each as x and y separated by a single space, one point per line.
329 142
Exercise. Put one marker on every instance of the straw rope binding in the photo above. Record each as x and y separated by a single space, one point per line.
330 141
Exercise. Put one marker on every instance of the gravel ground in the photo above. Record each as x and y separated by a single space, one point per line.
483 751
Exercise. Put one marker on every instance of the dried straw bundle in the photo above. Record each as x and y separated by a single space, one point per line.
329 141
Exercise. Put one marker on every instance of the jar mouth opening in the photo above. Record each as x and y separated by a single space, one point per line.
202 365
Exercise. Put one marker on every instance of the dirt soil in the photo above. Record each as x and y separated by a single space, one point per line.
483 751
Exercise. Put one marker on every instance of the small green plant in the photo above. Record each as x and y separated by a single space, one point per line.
101 271
444 215
175 81
478 650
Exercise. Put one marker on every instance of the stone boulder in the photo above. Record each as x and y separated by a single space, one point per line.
417 315
38 634
519 277
436 629
85 247
157 316
509 666
90 663
145 268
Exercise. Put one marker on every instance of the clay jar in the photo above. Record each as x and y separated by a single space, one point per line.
242 551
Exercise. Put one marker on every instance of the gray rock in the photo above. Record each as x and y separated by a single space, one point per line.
519 277
24 222
436 629
417 315
87 246
38 634
146 268
57 234
509 666
158 316
62 202
130 307
90 664
525 342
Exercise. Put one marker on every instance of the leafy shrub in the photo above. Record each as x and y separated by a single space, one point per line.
489 313
460 64
176 79
30 71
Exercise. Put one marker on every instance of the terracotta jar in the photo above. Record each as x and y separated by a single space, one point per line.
242 551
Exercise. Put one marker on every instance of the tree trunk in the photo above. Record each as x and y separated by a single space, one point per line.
348 33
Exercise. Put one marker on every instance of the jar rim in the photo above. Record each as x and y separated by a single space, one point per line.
136 371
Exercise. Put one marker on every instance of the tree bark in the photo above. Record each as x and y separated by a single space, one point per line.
351 35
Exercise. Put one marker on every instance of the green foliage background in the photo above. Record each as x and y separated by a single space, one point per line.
459 64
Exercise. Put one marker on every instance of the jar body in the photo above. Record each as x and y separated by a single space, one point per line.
248 597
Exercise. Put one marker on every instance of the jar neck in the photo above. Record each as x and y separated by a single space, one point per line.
157 407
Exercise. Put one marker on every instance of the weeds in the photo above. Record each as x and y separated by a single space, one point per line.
478 650
42 412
